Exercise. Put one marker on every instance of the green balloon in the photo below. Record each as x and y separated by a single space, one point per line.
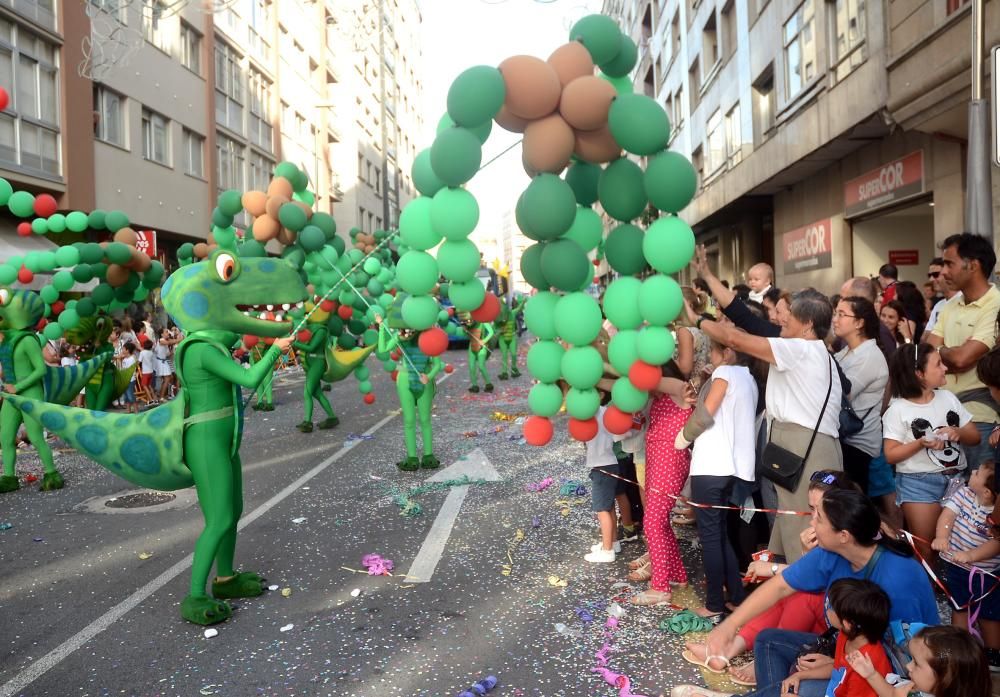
39 226
311 238
656 345
583 178
118 253
454 213
622 85
670 181
63 281
583 404
371 266
415 224
578 318
621 302
292 217
100 270
346 341
8 274
49 294
97 219
549 207
623 250
476 96
102 294
545 360
82 273
565 265
325 222
587 228
482 131
639 124
424 179
456 155
52 331
305 196
627 396
531 266
545 399
77 221
623 350
5 191
622 64
668 245
286 169
46 261
69 319
113 221
220 219
86 307
599 34
458 260
621 190
417 272
467 295
21 204
660 300
540 314
420 312
32 262
57 223
582 366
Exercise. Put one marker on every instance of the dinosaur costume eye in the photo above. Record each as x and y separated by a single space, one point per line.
4 296
225 267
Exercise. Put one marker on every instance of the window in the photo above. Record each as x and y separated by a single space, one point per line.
709 46
230 158
694 83
734 135
850 28
677 109
194 154
152 24
800 49
229 98
698 162
361 218
675 33
716 142
955 6
155 137
110 117
41 12
763 106
729 39
261 131
378 181
190 48
260 171
361 167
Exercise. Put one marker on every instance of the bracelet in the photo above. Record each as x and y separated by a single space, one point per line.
697 324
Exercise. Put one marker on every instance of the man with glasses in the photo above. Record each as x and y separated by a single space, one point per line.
942 291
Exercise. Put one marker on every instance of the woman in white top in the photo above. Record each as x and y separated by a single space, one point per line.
863 363
800 381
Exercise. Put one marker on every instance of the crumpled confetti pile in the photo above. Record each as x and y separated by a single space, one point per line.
409 507
540 486
504 416
518 538
376 565
573 487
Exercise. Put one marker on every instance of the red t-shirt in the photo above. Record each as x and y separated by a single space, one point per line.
845 682
889 294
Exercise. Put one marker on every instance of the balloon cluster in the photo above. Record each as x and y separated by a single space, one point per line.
125 274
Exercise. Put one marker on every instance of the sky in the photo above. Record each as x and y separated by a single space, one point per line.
458 34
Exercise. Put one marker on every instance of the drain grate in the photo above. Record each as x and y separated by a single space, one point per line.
141 500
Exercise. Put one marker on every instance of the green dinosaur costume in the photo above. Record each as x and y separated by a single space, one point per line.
195 438
414 385
91 336
265 392
506 326
314 360
480 334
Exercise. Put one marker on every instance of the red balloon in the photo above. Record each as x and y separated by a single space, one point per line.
24 229
449 368
451 311
597 262
268 340
57 307
328 306
345 311
304 336
394 374
644 376
369 398
433 342
4 99
617 421
537 430
488 311
45 205
395 355
24 275
41 324
250 341
583 429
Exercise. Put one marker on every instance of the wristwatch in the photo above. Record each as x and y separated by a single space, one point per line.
774 569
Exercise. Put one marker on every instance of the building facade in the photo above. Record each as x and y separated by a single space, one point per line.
829 136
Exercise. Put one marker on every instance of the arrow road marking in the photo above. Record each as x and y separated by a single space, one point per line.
475 465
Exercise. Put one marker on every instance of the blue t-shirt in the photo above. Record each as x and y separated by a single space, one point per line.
911 598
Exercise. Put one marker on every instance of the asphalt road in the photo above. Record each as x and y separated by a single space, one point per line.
89 598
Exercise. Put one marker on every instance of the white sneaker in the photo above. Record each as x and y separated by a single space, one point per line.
598 546
600 556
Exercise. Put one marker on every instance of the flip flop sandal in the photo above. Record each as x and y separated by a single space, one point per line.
651 598
689 656
685 622
739 681
643 573
639 563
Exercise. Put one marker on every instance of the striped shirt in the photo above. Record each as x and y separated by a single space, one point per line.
970 530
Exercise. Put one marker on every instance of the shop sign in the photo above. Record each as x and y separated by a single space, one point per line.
893 182
808 247
904 257
145 242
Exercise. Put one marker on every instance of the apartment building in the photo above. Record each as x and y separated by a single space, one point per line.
194 103
829 135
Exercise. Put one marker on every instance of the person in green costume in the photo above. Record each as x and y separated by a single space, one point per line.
23 371
415 385
480 334
195 438
92 335
314 357
506 328
265 393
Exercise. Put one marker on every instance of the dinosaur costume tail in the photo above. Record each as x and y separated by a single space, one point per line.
341 363
146 449
63 383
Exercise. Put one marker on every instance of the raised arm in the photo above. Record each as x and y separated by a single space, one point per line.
699 264
756 346
222 365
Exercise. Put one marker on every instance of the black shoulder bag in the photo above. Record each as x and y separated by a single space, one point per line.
782 466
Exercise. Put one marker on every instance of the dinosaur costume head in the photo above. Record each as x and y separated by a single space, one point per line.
91 330
233 294
19 309
394 318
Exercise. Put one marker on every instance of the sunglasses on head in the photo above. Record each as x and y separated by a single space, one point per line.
822 477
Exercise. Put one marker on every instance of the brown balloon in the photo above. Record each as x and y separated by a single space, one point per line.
254 202
571 61
210 237
548 144
140 261
126 235
509 122
116 275
265 228
280 186
585 102
274 204
597 146
200 250
533 86
286 236
306 208
211 248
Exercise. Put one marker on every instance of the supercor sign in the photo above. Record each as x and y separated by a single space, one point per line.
808 247
889 184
